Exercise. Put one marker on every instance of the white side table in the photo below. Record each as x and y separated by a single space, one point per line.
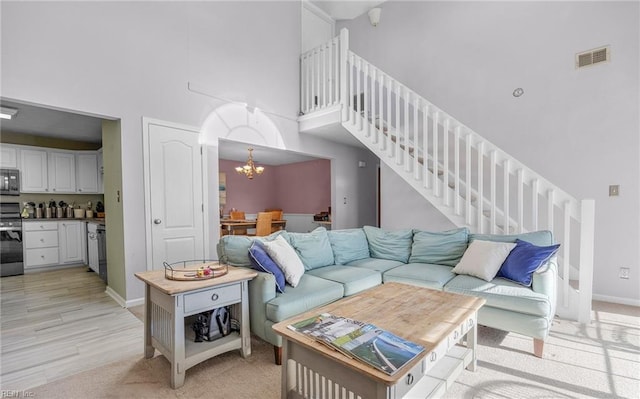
168 302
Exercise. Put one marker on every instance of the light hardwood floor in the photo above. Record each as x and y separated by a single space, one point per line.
57 323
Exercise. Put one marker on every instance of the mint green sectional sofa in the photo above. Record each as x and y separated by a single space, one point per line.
340 263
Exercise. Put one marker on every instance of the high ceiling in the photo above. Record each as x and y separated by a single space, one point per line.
40 121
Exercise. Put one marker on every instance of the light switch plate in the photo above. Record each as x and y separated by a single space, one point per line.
614 190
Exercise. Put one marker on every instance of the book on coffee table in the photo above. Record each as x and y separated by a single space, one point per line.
374 346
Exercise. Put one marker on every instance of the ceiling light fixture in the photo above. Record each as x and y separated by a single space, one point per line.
374 16
249 169
7 113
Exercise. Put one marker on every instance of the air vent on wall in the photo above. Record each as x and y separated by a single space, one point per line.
593 57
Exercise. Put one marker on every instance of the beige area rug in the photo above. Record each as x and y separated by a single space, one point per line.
599 360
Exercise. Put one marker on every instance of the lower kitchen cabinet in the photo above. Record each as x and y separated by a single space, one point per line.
54 243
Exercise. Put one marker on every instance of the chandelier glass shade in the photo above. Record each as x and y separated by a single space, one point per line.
250 169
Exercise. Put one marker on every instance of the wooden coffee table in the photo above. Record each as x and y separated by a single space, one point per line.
436 320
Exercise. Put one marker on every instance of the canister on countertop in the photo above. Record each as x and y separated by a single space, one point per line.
38 213
59 213
47 213
69 212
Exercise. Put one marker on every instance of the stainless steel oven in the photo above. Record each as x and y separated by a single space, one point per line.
11 257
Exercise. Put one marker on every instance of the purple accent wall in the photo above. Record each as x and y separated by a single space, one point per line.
303 187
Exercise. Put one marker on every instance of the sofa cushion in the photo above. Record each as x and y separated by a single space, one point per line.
313 248
483 259
354 279
502 294
392 245
421 274
541 237
525 259
381 265
440 248
260 260
286 258
311 292
235 249
348 245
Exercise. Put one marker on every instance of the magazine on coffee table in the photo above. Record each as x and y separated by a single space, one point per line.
376 347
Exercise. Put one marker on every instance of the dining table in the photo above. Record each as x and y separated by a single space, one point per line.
231 225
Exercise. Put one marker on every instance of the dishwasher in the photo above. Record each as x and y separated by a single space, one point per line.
97 249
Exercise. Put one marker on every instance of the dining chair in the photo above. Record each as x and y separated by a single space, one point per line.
276 214
263 224
238 215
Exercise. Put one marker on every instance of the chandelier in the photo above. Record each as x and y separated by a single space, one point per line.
249 169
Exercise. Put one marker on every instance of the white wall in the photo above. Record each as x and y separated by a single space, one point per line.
578 128
135 59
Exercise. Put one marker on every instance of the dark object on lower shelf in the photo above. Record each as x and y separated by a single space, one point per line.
213 324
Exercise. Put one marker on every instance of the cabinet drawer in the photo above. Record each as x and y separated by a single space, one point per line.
41 257
471 321
437 354
212 298
39 226
408 381
41 239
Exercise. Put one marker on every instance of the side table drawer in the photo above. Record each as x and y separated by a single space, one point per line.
407 381
212 298
438 353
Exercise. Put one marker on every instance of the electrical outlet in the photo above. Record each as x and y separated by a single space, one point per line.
624 273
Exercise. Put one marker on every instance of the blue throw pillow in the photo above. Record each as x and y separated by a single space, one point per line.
525 259
260 260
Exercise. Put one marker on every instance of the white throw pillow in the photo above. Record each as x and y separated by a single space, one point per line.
483 259
286 258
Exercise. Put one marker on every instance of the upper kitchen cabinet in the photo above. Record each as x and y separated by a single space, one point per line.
62 171
8 156
87 172
33 171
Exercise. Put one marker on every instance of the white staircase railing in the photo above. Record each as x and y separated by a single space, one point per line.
469 179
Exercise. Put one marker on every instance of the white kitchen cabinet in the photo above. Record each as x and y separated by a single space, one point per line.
71 238
86 172
8 156
62 171
40 244
33 171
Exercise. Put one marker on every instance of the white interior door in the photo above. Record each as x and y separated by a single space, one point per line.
176 202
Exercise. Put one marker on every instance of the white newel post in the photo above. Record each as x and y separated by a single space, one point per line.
344 54
587 229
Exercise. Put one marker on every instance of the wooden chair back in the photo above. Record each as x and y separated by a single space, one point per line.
263 224
236 215
276 214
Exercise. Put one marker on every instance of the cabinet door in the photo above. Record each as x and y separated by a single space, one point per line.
8 156
62 172
70 239
87 172
33 170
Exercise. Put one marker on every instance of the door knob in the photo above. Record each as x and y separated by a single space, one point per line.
157 221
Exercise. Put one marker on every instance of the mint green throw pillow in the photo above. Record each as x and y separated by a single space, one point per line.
391 245
439 248
348 245
313 248
235 249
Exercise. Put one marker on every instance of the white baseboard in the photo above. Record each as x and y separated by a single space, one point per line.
615 299
125 304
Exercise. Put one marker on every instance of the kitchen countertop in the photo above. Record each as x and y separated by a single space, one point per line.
88 220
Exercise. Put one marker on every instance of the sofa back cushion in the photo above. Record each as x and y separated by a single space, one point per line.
439 248
391 245
235 249
540 238
313 248
348 245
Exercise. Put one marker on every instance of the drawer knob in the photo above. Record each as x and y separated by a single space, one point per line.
214 297
42 240
455 334
434 356
470 322
409 379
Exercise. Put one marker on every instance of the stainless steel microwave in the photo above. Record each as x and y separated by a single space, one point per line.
9 182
